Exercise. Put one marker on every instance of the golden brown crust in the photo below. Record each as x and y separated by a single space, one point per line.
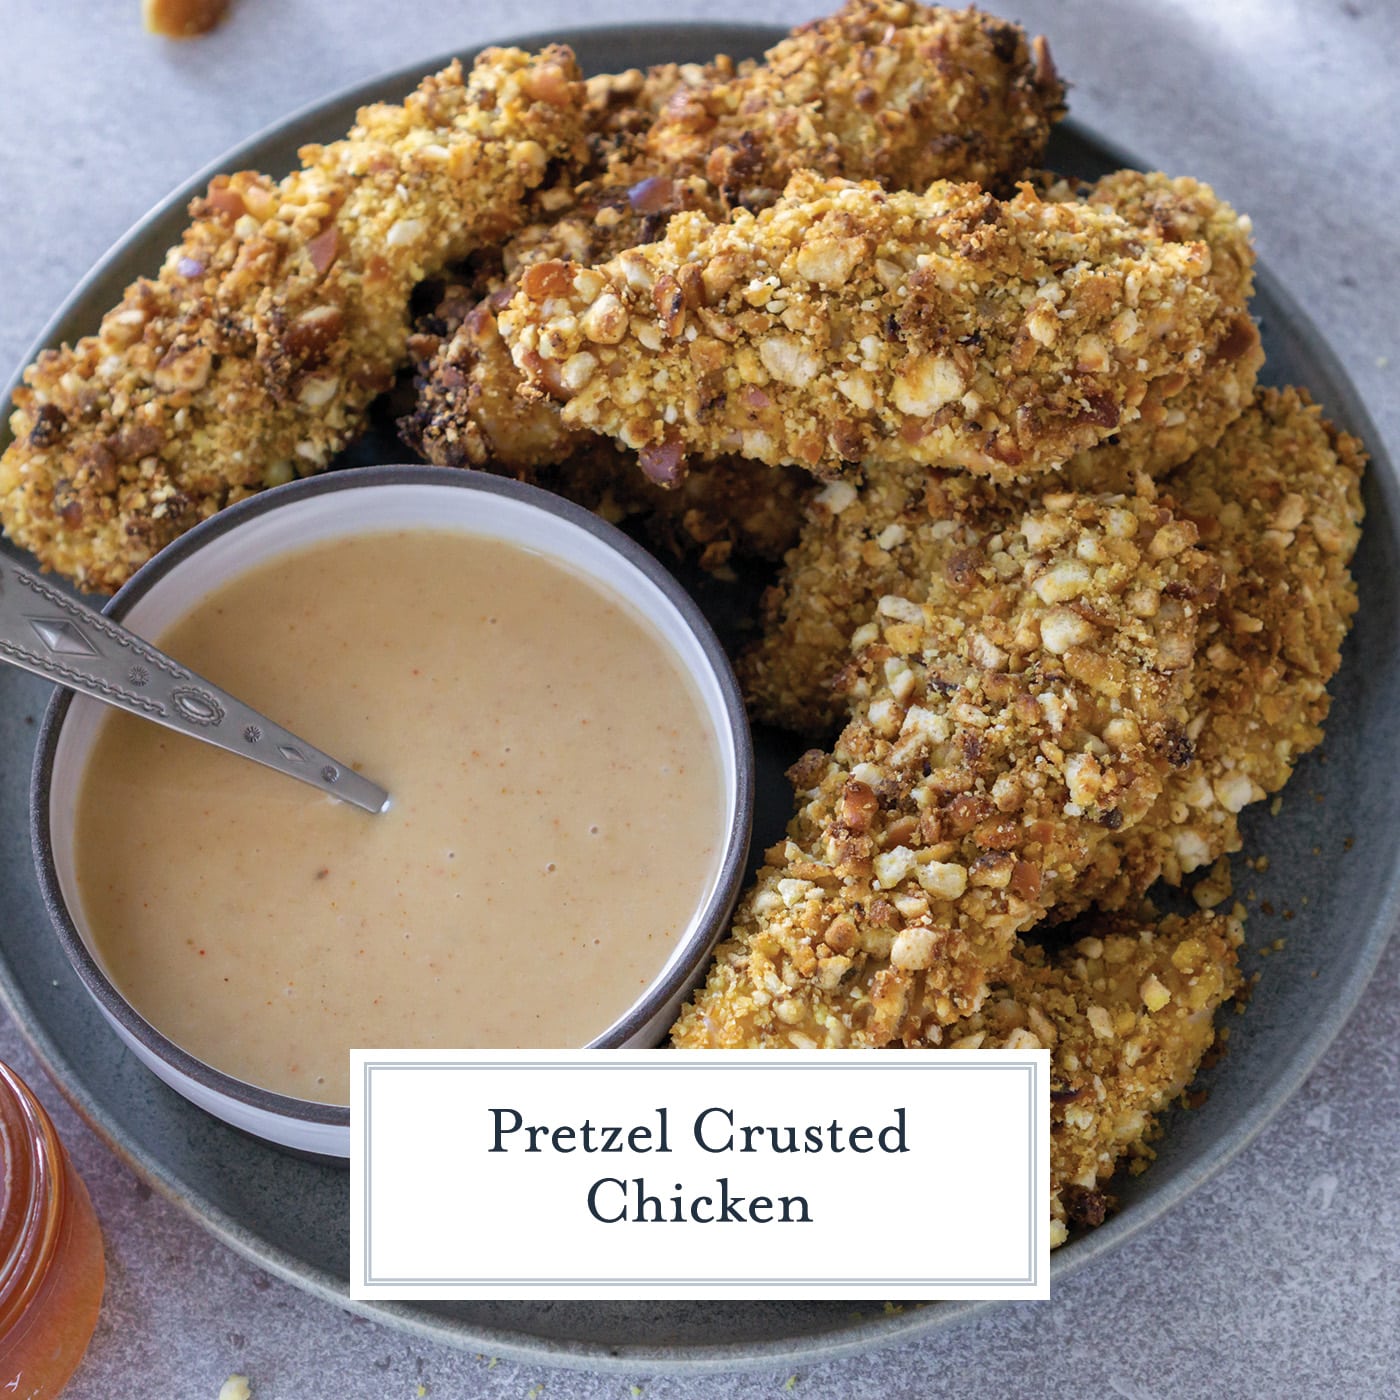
883 90
859 538
1127 1015
1008 715
620 108
729 509
1278 501
470 408
847 324
1189 408
857 543
282 313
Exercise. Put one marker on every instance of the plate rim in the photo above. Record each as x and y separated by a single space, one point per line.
710 1358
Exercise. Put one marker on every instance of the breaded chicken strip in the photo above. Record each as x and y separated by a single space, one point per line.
847 324
882 90
859 539
1278 502
281 314
471 409
732 506
1009 715
1127 1015
898 93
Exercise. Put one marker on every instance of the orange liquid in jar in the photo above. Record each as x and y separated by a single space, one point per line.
51 1265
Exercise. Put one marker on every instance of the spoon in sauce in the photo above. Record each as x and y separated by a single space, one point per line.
54 636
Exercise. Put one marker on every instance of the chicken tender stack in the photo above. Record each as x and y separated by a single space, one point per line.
1011 711
847 324
899 93
1066 586
858 539
283 312
1127 1014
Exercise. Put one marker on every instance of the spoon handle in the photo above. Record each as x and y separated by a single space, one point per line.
45 631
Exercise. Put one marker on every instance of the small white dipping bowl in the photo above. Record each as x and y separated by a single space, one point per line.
363 501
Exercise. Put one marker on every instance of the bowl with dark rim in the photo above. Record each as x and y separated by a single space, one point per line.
375 500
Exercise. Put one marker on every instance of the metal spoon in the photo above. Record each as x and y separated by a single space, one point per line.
44 631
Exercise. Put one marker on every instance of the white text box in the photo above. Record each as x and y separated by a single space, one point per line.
728 1174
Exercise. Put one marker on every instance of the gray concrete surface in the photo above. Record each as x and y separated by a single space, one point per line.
1282 1275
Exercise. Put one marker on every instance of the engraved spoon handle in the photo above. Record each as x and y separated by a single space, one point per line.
44 631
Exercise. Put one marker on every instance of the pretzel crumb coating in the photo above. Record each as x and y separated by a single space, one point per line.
1006 721
471 408
1127 1015
847 324
882 90
1278 501
282 313
621 108
1188 408
860 536
859 541
724 510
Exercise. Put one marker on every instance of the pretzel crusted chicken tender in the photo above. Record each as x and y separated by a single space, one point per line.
1127 1015
283 312
1002 729
882 90
1278 502
847 324
471 408
466 409
859 538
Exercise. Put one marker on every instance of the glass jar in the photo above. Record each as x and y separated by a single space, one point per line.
51 1266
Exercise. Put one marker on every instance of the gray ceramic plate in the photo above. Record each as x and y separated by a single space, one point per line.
1332 866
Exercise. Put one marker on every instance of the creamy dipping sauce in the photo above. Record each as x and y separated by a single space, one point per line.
557 815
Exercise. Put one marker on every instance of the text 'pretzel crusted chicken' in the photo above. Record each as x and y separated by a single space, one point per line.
1278 502
847 324
1000 733
1127 1015
898 93
282 313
